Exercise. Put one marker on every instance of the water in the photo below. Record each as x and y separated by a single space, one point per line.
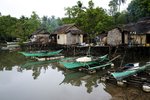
20 79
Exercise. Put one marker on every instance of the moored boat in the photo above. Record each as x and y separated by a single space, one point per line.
131 75
41 53
81 62
129 72
88 64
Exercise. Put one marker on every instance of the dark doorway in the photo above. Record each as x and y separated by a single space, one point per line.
123 38
147 38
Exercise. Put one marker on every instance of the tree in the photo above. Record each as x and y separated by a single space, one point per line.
113 7
49 24
68 12
91 4
6 27
20 29
26 26
120 2
122 18
138 9
90 20
54 23
94 20
73 13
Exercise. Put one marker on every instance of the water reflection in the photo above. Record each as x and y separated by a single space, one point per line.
93 81
56 81
9 59
77 79
125 93
36 67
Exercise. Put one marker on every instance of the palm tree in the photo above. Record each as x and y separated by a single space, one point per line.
120 2
113 7
116 3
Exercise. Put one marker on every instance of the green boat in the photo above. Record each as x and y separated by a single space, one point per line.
40 54
36 63
129 72
102 61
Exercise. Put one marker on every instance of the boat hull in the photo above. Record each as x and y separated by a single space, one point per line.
40 54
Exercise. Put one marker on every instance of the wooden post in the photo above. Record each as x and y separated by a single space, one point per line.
109 51
74 50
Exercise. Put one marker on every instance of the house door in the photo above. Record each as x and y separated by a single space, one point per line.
147 38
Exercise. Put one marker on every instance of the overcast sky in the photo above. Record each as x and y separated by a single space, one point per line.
17 8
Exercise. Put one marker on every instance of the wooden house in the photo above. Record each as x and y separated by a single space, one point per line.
40 37
114 37
101 39
138 33
69 34
131 34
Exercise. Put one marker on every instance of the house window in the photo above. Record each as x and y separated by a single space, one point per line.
58 36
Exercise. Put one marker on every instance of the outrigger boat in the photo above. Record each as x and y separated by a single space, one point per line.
141 79
36 63
41 54
88 64
131 74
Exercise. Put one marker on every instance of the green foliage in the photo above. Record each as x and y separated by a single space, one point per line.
6 27
113 7
91 20
67 20
11 28
94 21
26 26
138 9
122 18
49 24
120 2
119 17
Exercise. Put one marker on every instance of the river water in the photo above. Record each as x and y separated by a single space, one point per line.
24 79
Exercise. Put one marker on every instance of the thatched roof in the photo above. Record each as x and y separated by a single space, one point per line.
141 27
40 31
64 29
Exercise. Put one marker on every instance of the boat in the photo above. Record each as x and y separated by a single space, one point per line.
138 80
132 75
127 66
41 53
88 63
131 71
37 63
83 63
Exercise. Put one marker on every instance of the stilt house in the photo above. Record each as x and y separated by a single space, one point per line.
137 34
40 37
68 34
